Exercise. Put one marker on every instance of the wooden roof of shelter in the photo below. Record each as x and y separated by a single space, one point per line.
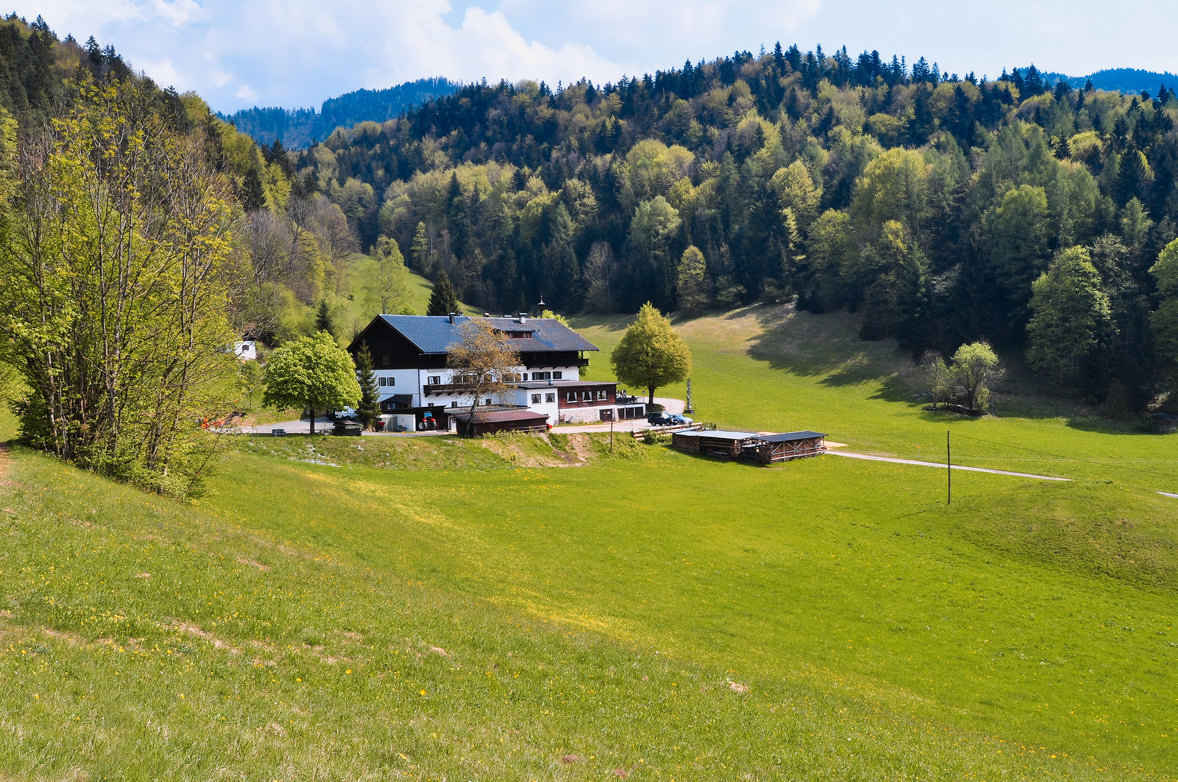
500 416
789 437
718 434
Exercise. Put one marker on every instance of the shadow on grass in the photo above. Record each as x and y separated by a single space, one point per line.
820 345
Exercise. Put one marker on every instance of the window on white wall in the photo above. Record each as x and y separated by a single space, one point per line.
550 397
535 399
434 380
557 375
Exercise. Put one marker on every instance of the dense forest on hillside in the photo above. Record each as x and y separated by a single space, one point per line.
941 209
928 202
300 128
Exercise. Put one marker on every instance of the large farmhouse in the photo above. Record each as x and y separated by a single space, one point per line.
409 357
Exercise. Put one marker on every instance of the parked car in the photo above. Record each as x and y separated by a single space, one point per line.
679 420
347 414
659 419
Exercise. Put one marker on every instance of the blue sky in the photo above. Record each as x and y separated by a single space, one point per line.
239 53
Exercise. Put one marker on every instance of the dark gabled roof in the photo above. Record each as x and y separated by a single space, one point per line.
790 437
436 333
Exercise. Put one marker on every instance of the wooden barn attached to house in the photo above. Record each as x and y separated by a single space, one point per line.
750 446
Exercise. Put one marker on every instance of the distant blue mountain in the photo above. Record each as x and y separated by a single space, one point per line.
1126 80
298 128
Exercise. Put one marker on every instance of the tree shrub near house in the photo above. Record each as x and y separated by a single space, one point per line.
483 361
312 372
651 353
114 296
965 381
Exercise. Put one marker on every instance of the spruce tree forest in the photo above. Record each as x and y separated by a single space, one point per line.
940 209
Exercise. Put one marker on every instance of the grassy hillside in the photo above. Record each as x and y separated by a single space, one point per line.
440 609
779 369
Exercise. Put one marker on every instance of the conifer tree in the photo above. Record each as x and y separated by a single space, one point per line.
369 407
323 318
253 197
443 300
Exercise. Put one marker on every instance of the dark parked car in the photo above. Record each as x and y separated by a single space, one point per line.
659 419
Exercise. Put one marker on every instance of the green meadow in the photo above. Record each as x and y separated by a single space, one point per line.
542 608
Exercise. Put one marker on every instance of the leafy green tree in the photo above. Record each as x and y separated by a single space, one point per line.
894 302
1164 320
651 353
797 192
113 306
832 279
937 376
651 231
312 373
692 281
420 251
392 278
1015 247
1072 324
973 368
894 186
369 407
443 300
1165 271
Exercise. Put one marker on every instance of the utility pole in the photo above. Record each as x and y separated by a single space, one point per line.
949 467
689 409
611 433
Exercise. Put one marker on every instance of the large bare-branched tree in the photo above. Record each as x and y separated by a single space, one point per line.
113 307
484 363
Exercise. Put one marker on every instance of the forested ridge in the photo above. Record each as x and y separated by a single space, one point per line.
927 202
300 128
942 210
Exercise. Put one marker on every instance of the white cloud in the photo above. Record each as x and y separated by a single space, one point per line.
300 52
165 74
177 12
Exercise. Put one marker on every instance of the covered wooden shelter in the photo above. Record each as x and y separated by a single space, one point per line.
764 448
772 448
492 421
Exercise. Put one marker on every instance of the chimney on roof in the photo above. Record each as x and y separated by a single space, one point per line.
523 317
452 318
